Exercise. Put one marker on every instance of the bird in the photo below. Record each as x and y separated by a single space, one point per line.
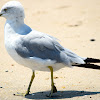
37 50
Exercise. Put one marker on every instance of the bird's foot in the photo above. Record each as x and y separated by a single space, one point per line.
53 90
22 94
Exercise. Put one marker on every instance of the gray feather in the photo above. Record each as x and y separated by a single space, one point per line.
37 44
43 47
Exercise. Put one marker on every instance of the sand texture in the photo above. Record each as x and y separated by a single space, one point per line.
74 23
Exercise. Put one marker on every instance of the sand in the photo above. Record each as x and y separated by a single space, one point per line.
74 23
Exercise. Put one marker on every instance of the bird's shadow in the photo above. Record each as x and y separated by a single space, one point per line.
60 94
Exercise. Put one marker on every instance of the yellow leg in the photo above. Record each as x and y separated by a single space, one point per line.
53 88
28 90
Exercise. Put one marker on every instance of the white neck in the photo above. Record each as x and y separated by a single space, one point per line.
17 26
14 28
15 22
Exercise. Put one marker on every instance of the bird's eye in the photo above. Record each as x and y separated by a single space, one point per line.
5 10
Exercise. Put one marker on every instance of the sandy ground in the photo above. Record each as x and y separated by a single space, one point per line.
74 23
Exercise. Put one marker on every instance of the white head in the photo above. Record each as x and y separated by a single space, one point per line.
12 10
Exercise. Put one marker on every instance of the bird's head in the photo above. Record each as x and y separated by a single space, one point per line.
12 9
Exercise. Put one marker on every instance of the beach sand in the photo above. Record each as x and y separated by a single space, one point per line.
74 23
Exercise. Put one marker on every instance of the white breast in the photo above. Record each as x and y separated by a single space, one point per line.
32 62
11 37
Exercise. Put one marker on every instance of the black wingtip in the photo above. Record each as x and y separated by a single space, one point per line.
92 60
92 66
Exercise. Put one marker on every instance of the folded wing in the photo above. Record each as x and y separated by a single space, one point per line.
40 45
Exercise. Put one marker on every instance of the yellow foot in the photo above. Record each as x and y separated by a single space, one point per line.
53 90
22 94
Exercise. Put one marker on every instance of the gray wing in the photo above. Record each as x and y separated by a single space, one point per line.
45 47
39 45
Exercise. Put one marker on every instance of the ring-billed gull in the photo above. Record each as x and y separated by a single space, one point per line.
34 49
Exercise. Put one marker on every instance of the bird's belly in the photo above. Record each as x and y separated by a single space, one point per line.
34 63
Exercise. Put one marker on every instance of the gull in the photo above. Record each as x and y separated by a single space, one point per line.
34 49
